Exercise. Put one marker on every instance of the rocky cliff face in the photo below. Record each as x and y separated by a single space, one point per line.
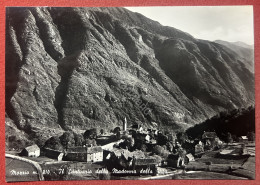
77 68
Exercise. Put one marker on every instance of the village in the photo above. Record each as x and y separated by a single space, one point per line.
136 152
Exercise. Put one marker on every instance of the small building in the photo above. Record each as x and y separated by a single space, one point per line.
153 141
140 129
209 138
137 127
243 139
84 154
189 158
143 137
175 161
31 151
94 154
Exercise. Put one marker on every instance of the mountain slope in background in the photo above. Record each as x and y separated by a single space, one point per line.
244 51
77 68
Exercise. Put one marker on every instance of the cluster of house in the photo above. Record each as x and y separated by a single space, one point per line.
114 157
123 158
136 160
143 135
94 154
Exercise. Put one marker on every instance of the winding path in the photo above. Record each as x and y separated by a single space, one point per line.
22 169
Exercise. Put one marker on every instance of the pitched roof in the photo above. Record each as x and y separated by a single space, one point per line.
190 156
121 152
244 137
94 149
138 154
46 149
127 154
77 149
32 148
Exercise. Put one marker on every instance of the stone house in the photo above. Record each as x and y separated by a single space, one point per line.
209 139
189 158
31 151
143 137
243 139
175 161
84 154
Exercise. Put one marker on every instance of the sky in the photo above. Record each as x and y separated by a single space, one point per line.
229 23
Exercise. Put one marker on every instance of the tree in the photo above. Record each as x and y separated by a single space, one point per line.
182 137
251 136
118 135
233 122
143 147
162 139
116 130
90 134
93 133
53 143
234 137
133 133
229 138
128 142
159 150
86 134
67 139
79 139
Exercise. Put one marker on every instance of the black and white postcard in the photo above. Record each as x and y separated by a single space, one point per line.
136 93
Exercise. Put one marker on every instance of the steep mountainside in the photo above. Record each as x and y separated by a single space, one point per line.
245 51
77 68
